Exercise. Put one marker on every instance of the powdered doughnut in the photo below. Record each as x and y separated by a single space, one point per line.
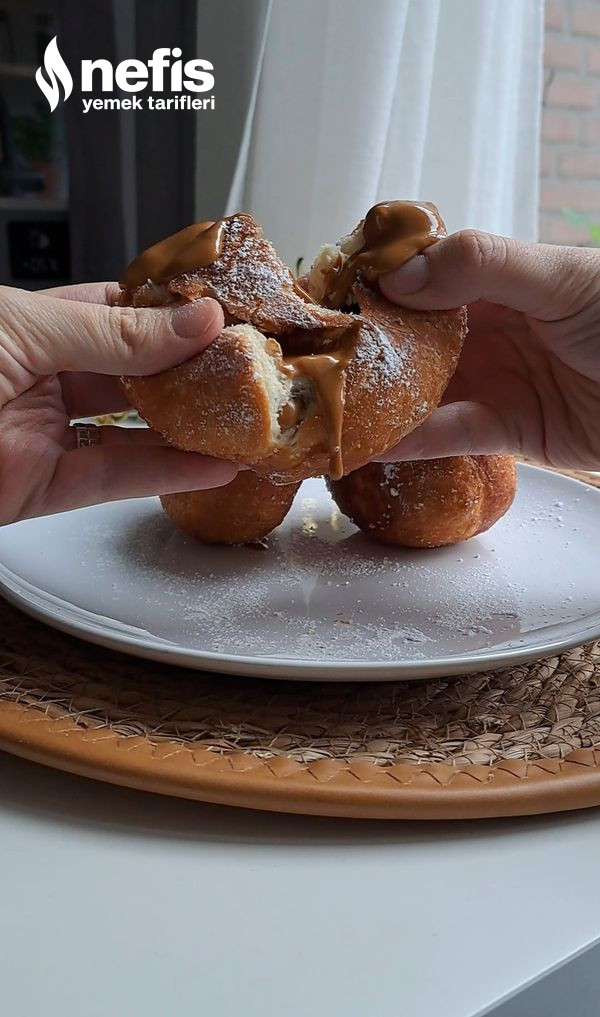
243 511
291 387
429 502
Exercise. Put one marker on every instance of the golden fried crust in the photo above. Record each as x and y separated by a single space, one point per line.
498 475
250 282
429 502
245 510
217 403
214 403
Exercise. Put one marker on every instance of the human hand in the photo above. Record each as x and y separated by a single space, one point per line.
528 380
61 354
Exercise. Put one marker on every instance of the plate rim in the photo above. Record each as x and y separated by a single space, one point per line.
35 604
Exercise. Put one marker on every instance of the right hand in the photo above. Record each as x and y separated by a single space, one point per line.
528 380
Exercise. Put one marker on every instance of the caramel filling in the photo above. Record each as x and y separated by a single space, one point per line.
391 233
327 371
322 356
290 414
194 247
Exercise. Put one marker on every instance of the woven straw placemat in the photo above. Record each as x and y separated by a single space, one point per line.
519 741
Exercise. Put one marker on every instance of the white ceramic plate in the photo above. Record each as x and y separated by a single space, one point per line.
321 601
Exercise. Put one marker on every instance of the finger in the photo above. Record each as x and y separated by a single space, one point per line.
88 395
48 335
542 280
466 428
110 472
89 293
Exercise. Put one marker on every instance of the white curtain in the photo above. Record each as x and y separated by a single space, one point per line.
357 102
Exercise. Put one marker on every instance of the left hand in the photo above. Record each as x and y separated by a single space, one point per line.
61 354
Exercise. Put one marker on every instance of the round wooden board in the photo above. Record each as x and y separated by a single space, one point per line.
517 742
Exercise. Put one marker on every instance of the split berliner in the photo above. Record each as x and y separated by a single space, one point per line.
305 379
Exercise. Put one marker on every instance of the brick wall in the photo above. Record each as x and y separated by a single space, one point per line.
570 153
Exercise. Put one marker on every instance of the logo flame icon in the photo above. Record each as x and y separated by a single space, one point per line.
57 70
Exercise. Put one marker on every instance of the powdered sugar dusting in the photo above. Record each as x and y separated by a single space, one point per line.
389 363
253 284
321 591
390 472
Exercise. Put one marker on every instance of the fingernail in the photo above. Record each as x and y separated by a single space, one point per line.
409 278
190 320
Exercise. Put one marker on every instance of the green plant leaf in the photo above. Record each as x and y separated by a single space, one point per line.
579 219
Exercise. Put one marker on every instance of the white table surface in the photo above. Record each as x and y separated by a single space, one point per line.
115 902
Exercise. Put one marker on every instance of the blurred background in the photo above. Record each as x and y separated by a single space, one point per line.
490 108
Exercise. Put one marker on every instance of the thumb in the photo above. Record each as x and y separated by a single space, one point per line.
457 429
542 280
50 334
